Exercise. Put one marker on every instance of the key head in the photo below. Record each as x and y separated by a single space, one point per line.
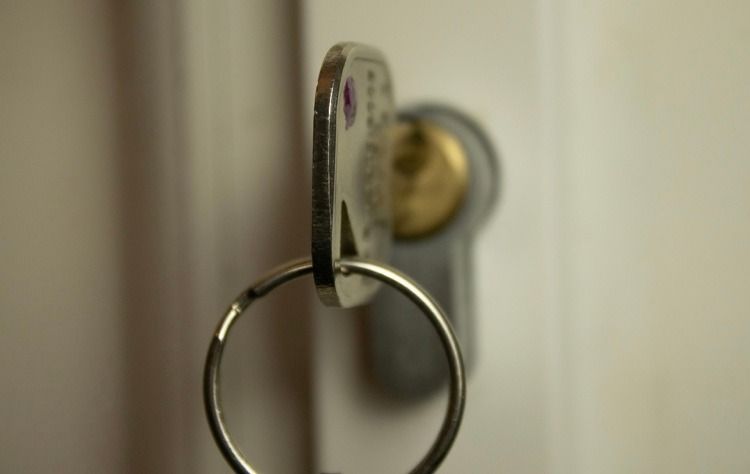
351 211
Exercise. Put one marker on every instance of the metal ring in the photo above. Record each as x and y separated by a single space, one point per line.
390 276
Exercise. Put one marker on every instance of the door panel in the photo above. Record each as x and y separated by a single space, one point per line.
485 61
612 305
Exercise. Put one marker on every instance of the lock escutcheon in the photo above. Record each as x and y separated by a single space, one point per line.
404 354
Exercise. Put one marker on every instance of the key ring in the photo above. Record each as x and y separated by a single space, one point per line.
388 275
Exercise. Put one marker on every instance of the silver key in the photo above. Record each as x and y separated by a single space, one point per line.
351 214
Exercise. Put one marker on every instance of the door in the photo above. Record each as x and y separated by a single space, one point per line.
154 160
612 304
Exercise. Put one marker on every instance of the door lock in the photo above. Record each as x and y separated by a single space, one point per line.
444 181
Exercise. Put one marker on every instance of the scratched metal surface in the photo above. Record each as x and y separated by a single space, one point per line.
354 109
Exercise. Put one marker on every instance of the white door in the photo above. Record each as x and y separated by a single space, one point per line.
612 280
154 159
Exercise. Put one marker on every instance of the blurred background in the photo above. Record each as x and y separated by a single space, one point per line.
154 160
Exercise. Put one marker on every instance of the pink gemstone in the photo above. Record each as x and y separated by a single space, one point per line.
350 102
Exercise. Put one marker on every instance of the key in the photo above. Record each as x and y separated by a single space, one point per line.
351 211
354 124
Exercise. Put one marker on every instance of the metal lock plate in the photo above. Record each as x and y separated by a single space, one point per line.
451 181
351 210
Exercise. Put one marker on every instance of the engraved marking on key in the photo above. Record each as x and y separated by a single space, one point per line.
354 109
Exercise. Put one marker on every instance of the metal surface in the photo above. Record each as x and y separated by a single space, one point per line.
351 214
430 177
346 267
405 356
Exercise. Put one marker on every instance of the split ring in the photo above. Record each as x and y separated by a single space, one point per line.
390 276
